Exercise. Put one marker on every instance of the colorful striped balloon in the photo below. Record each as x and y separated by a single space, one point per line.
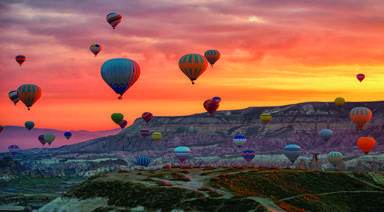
13 96
147 116
145 133
95 49
20 59
239 140
29 125
120 74
123 123
212 56
265 117
114 19
193 65
29 94
182 153
334 158
49 138
13 149
143 161
361 116
211 106
248 155
41 139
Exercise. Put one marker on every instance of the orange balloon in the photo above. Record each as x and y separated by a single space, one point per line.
29 94
361 116
366 144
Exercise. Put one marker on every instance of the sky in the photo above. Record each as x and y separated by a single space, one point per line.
272 53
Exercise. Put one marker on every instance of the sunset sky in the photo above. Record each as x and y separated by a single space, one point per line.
272 53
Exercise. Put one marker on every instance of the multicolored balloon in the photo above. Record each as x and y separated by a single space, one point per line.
1 128
248 155
117 117
339 101
123 123
366 144
334 158
211 106
239 140
29 125
360 77
120 74
95 49
41 139
20 59
114 19
147 116
68 135
212 56
265 117
157 136
326 134
182 153
13 96
29 94
218 99
145 133
193 65
292 152
143 161
13 149
361 116
49 138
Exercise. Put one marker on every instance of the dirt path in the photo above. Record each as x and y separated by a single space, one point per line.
335 192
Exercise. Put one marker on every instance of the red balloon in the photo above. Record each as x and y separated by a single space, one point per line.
360 77
147 116
366 144
211 105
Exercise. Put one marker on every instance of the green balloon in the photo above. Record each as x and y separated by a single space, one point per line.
49 137
117 117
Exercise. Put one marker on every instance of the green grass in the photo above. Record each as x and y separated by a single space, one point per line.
30 181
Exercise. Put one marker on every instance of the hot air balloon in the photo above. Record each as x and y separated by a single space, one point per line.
13 149
120 74
114 19
218 99
211 106
334 158
366 144
29 125
193 65
145 133
20 59
95 49
41 139
143 161
147 116
67 135
157 136
326 134
123 123
360 77
182 153
265 117
1 128
212 56
13 96
248 155
29 94
292 152
49 138
239 140
339 101
361 116
117 117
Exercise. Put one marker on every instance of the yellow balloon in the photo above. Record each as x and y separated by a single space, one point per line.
339 101
157 136
265 117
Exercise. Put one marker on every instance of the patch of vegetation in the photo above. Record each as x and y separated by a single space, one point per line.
30 181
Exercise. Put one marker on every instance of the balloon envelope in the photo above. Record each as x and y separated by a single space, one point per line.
41 139
366 144
292 152
67 135
13 149
147 116
123 123
20 59
265 117
218 99
13 96
339 101
182 153
360 77
334 158
29 94
326 134
157 136
1 128
248 155
114 19
145 133
212 56
143 161
120 74
239 140
361 116
29 125
211 106
95 49
193 65
117 117
49 137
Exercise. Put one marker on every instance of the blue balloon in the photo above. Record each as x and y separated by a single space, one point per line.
248 155
143 161
67 134
239 140
218 99
326 134
292 152
29 125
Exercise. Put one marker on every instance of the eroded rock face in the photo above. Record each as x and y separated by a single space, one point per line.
9 166
315 164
